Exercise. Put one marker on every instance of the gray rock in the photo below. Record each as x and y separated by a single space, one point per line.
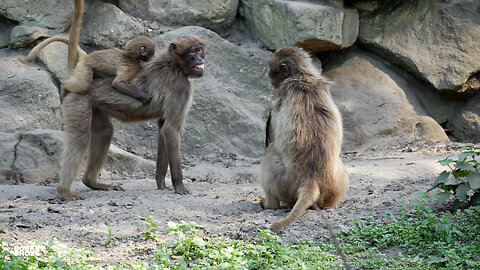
216 15
465 127
54 57
34 157
122 161
313 26
23 35
436 40
52 14
374 105
106 26
28 97
228 107
37 155
30 156
8 174
5 31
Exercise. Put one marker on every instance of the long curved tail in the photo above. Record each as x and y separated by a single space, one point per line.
308 193
75 35
36 50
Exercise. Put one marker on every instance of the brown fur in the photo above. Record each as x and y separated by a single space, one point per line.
124 64
87 117
302 164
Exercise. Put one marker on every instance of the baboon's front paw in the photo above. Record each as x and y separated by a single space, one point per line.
277 227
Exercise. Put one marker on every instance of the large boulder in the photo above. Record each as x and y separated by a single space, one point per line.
375 107
313 26
229 102
34 157
54 57
5 31
23 35
31 156
216 15
28 97
52 14
465 127
106 26
436 40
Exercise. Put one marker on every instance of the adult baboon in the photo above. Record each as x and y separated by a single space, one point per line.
87 123
302 164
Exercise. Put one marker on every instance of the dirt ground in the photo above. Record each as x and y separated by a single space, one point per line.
225 200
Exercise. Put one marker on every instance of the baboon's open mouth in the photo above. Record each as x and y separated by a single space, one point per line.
200 67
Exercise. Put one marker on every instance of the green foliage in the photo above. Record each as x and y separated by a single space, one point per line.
415 238
110 236
53 256
2 230
465 187
151 228
192 250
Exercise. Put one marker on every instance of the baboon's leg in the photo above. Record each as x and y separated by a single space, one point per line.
76 112
272 171
162 158
334 194
307 195
101 137
172 140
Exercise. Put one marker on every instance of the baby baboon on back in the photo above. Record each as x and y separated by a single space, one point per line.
123 64
302 164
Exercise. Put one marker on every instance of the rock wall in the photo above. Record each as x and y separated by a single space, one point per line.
403 70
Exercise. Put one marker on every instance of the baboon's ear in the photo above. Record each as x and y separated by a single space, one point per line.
284 70
172 48
143 50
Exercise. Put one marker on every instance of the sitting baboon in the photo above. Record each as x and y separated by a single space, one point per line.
302 164
87 117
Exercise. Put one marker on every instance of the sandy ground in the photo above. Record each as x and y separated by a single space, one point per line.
379 179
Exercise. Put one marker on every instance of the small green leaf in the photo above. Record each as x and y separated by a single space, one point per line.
440 179
464 155
435 259
446 161
472 263
441 197
474 181
465 166
462 191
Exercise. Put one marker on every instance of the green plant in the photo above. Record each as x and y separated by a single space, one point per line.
151 228
110 236
465 185
415 238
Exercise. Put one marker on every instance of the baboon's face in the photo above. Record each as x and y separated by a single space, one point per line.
195 59
190 55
